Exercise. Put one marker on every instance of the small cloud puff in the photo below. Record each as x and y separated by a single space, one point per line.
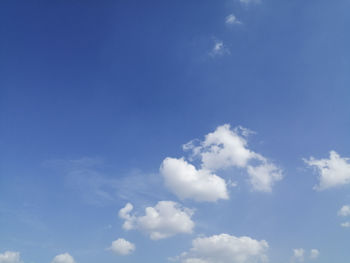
63 258
164 220
299 254
344 211
122 247
219 49
232 20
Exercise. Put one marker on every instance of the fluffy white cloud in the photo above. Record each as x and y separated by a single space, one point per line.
164 220
184 180
225 248
63 258
345 224
298 254
222 148
314 253
344 211
232 20
226 147
10 257
333 172
122 247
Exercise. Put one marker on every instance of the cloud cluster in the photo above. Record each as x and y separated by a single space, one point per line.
344 211
122 247
10 257
164 220
299 254
15 257
332 172
221 149
63 258
226 248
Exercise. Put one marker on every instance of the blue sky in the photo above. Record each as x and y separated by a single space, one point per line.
98 98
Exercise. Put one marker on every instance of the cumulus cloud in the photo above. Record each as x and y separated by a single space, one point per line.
122 247
298 254
164 220
314 253
185 181
226 147
63 258
232 20
344 211
10 257
225 248
332 172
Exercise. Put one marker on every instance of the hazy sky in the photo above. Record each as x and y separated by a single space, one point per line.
174 131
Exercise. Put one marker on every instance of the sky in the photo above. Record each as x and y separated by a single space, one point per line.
174 131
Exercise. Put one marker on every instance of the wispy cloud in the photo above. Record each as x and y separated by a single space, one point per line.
219 49
345 224
89 178
232 20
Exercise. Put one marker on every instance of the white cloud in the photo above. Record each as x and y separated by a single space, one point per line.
223 148
298 254
225 248
63 258
333 172
219 49
314 253
164 220
264 176
232 20
122 247
10 257
345 224
344 211
226 147
184 180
